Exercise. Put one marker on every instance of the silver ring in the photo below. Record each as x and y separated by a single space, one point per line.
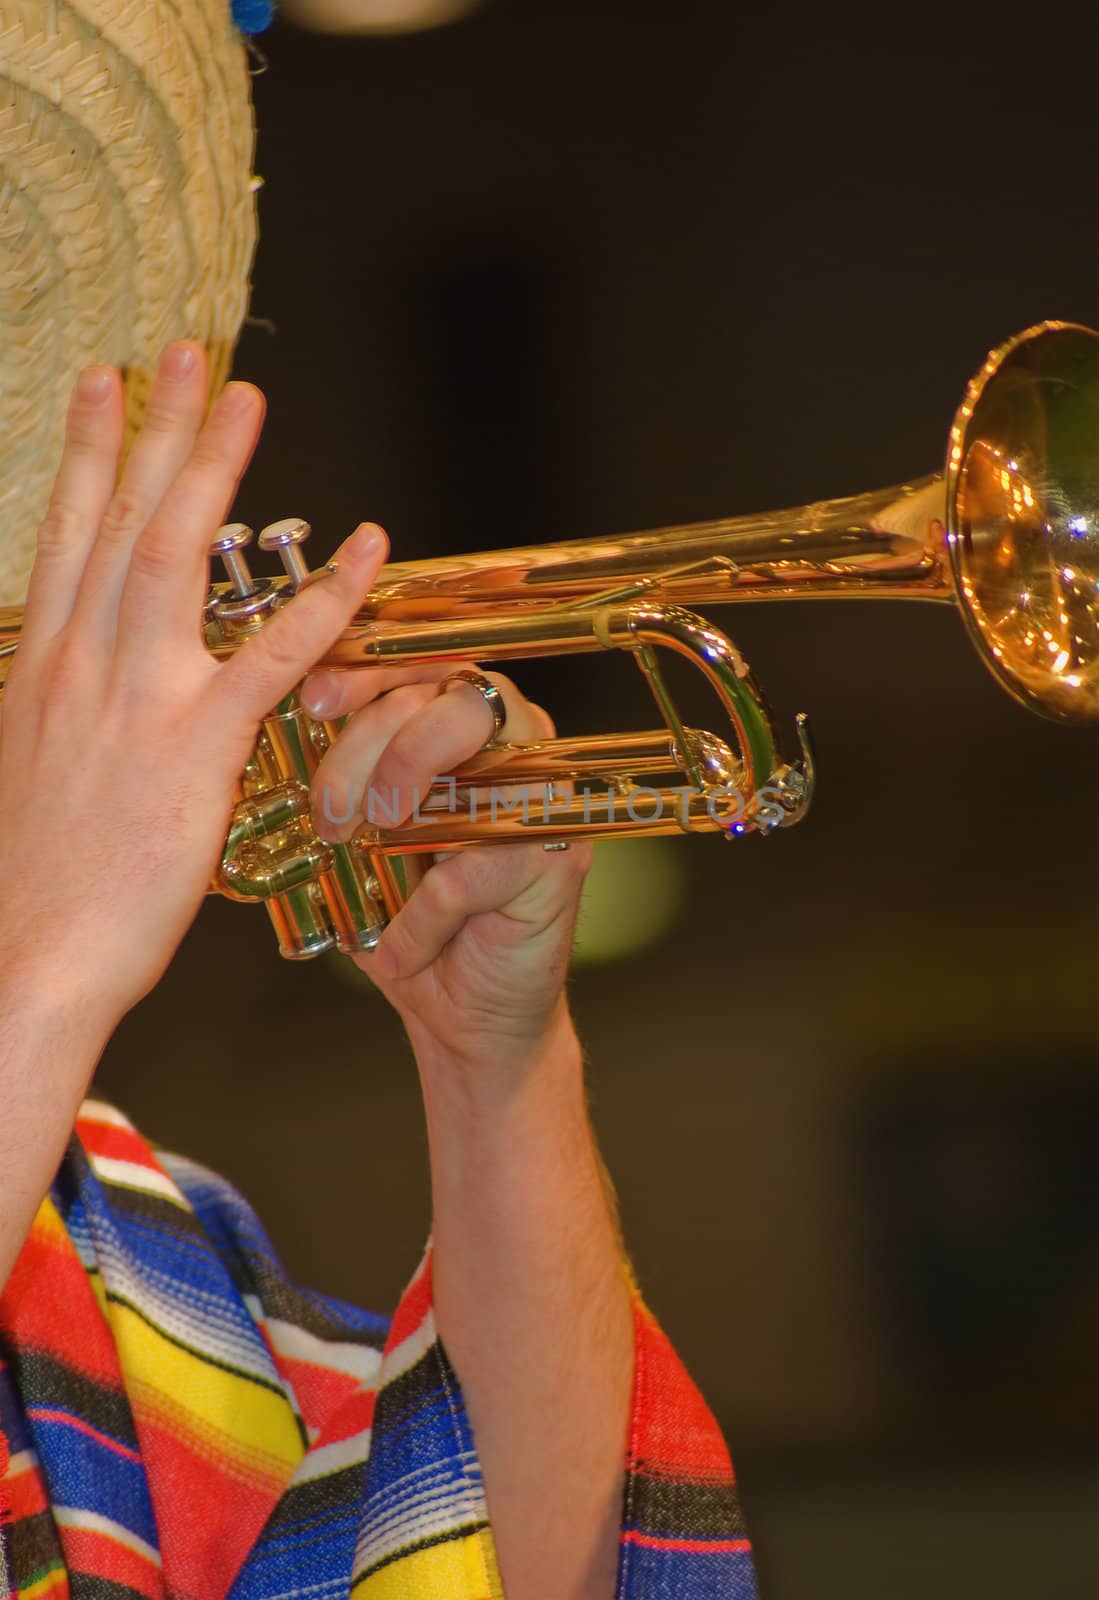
489 693
557 844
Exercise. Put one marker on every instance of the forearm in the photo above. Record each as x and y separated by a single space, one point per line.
533 1307
48 1052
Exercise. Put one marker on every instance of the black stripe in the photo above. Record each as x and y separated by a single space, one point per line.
259 1276
318 1502
43 1382
87 1587
671 1508
33 1545
418 1386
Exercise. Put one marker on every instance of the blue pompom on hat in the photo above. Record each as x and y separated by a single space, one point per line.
252 16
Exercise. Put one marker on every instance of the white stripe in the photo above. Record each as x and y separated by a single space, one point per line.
420 1505
133 1176
92 1522
100 1111
22 1461
359 1361
329 1458
410 1350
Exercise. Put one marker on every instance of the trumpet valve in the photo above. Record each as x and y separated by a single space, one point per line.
242 609
287 537
230 544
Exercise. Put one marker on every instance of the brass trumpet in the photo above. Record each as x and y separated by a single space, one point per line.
1008 532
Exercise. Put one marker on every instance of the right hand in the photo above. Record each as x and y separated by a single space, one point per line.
121 738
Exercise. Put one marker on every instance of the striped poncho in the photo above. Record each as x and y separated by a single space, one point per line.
178 1420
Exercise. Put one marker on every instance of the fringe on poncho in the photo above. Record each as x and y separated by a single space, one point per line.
180 1422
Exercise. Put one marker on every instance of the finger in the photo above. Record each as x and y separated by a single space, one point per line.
81 492
168 574
329 695
172 420
530 885
340 802
277 658
343 795
432 742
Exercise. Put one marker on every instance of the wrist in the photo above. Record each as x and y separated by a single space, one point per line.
495 1062
57 998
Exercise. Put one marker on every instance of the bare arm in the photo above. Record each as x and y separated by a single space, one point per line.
49 1045
533 1308
531 1297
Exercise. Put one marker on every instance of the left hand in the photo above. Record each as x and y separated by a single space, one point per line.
476 960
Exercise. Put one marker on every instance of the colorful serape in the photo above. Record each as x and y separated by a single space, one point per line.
179 1422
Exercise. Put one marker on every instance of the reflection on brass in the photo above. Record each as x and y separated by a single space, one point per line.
1009 534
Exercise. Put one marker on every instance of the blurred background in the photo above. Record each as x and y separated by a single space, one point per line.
555 269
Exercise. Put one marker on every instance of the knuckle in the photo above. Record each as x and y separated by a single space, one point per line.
399 768
409 698
124 514
212 452
57 530
444 889
66 667
153 558
285 641
85 429
578 858
334 802
160 416
545 721
209 448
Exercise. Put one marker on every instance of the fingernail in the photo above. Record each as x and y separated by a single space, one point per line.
320 697
177 362
236 399
365 540
94 385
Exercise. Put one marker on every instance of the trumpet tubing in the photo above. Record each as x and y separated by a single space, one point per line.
1008 533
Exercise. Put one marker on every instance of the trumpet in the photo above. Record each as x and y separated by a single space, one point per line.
1008 532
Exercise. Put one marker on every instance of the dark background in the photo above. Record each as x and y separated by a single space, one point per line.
575 269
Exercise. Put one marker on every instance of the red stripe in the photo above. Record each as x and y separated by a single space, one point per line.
26 1492
699 1547
37 1414
673 1432
319 1391
91 1553
414 1306
48 1305
207 1517
121 1144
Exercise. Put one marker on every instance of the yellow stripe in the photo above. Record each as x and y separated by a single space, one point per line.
462 1569
58 1578
217 1412
95 1278
49 1227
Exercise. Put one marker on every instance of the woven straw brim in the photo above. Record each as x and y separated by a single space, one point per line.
127 216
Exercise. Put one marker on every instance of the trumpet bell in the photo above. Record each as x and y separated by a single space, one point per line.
1022 517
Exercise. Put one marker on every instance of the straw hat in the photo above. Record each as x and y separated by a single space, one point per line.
127 215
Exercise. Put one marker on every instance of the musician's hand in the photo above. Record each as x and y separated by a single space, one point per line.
122 738
475 962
